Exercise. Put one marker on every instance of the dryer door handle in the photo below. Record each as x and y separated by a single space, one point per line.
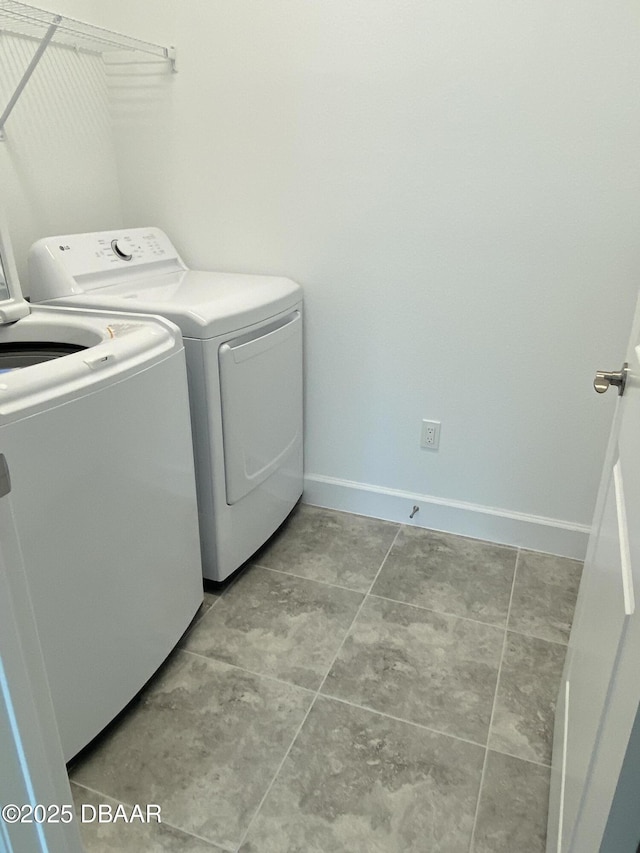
255 343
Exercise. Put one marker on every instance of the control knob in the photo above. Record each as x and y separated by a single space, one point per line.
124 256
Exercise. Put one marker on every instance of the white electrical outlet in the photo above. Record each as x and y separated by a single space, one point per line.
430 435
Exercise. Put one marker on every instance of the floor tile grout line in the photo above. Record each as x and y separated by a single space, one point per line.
275 775
250 671
520 758
357 613
313 701
311 580
469 619
197 618
535 637
217 600
493 708
404 720
214 844
438 612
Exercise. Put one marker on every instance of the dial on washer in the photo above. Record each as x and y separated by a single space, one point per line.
118 251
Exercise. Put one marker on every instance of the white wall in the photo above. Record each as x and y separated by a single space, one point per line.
456 186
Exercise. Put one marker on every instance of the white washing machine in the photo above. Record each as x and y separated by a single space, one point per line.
243 340
94 425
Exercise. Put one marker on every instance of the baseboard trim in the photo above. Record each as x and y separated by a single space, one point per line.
534 532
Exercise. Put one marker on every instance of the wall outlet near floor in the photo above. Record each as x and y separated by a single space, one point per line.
430 435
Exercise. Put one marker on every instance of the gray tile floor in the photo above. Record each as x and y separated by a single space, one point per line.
361 687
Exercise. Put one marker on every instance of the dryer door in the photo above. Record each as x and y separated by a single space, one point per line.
261 391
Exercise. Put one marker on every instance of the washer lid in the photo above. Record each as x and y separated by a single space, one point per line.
13 305
109 348
203 304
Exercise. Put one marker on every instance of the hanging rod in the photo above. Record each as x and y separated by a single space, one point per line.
22 19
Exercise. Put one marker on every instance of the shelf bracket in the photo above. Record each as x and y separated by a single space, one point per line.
37 56
171 56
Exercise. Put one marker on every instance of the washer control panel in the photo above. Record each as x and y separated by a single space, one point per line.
85 262
106 251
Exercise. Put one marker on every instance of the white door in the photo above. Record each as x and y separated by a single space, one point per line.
32 769
600 689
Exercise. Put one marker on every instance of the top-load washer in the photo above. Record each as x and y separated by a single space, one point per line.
103 493
243 341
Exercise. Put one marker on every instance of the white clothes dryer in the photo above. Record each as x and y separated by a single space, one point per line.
243 341
103 491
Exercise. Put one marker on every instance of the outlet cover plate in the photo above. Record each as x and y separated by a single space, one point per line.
430 435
